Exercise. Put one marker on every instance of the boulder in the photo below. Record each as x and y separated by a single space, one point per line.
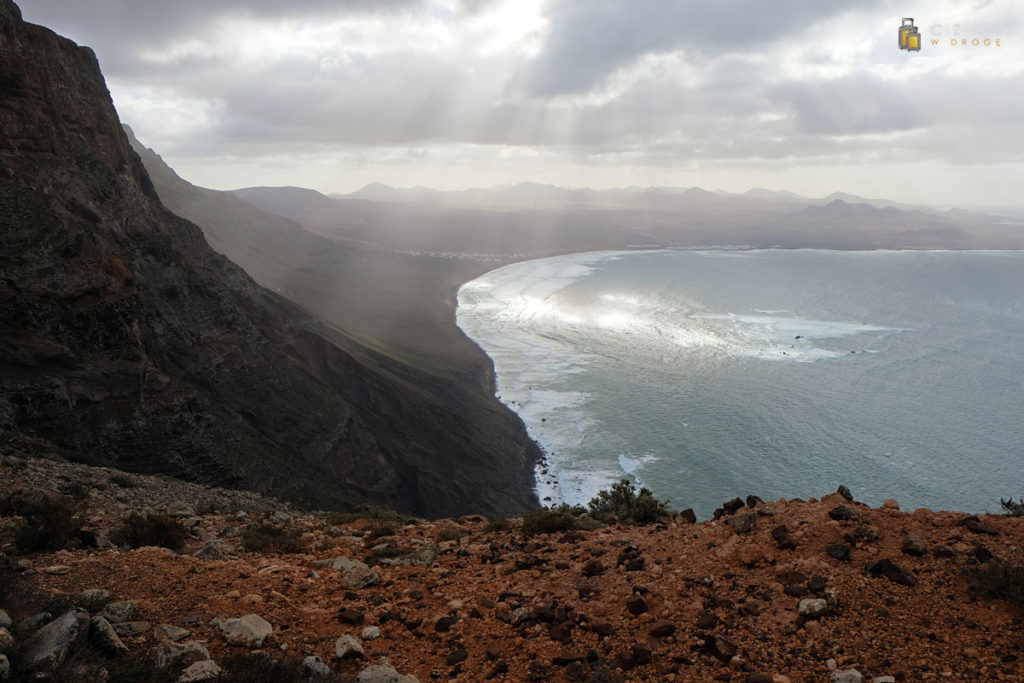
743 523
248 631
93 599
423 557
383 673
105 638
5 619
171 632
848 676
169 654
347 647
50 645
354 574
5 668
914 545
6 639
116 612
314 667
205 670
127 629
844 513
893 572
813 608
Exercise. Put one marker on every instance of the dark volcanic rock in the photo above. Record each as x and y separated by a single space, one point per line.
721 647
636 605
844 513
973 523
893 572
839 551
127 341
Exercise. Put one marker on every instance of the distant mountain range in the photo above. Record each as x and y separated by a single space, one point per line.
531 219
527 195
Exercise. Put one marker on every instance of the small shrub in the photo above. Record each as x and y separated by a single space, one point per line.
122 480
375 556
552 520
498 524
380 529
450 533
48 522
369 511
153 529
1011 508
76 489
623 501
267 538
999 578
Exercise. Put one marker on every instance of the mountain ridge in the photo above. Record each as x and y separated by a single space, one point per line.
127 341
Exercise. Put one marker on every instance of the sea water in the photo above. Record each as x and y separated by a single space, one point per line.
704 375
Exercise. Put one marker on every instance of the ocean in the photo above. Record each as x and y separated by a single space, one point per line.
705 375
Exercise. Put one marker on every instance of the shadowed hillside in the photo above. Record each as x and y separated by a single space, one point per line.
126 340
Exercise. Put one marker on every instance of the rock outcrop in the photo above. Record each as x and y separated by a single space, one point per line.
126 341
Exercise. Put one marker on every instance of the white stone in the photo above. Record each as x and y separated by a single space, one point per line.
370 633
5 619
314 666
813 608
249 631
205 670
848 676
383 673
169 654
347 646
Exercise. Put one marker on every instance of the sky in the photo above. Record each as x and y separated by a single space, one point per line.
800 95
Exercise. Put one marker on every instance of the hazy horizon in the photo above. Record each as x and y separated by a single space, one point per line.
797 96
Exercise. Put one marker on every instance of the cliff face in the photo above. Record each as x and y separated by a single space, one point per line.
127 341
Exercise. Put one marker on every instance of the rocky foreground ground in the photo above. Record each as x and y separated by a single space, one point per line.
822 590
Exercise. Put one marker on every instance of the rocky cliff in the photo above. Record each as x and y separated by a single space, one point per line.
126 341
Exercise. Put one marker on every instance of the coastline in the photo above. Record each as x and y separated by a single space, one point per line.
547 413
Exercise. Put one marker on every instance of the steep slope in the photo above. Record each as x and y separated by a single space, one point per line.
127 341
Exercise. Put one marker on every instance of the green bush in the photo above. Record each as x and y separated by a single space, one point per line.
498 524
369 511
122 480
48 522
76 489
267 538
375 556
450 533
623 501
1011 508
380 529
153 529
555 519
999 578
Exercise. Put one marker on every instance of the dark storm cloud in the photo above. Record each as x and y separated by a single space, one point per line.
590 40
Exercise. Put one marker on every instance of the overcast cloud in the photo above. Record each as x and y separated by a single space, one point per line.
803 95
